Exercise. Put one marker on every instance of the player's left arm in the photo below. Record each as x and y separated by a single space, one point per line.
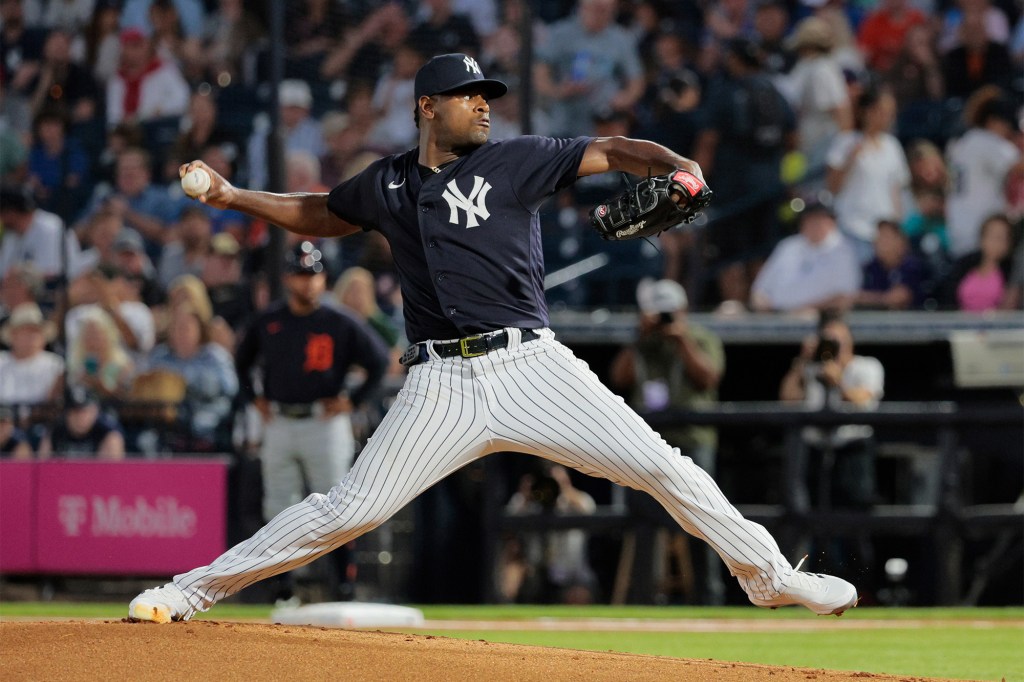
639 157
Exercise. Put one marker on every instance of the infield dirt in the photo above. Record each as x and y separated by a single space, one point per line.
212 650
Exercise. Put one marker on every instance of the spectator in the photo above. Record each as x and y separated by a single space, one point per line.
232 37
826 374
136 15
395 129
111 291
926 229
170 42
982 159
29 374
978 281
1013 296
669 110
146 87
58 166
771 23
364 53
894 279
818 93
357 291
554 567
119 138
69 15
588 63
442 30
867 171
727 21
21 284
131 259
748 127
201 129
189 289
978 61
97 358
303 352
816 269
32 234
993 19
209 374
14 442
675 363
927 169
84 431
883 32
103 42
98 236
916 74
230 295
311 29
141 204
301 132
187 255
64 86
344 143
21 52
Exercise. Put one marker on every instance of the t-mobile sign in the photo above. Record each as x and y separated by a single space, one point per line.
129 517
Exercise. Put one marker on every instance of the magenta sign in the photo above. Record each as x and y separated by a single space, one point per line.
17 553
142 518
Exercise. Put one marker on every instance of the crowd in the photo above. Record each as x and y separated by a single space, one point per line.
896 123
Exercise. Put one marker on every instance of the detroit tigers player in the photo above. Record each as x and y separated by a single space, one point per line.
485 372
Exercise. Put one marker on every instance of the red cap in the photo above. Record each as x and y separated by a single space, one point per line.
132 35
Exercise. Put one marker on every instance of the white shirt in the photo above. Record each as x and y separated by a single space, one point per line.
799 274
872 185
164 92
860 373
978 164
28 381
40 245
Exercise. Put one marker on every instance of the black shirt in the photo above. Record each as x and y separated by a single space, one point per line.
466 241
306 358
78 446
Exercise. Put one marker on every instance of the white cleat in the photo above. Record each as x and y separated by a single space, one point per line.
826 595
160 605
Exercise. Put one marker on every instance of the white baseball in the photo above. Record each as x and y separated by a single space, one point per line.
196 182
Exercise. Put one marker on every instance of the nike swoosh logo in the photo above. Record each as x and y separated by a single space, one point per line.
392 185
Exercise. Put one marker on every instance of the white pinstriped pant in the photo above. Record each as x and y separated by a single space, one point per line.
534 397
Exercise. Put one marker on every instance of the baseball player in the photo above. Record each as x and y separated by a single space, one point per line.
485 372
304 351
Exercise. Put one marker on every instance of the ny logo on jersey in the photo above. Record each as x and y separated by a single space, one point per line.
471 65
474 205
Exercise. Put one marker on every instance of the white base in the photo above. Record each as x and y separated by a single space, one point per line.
349 615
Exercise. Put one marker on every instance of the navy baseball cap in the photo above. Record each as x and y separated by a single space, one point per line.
447 72
304 259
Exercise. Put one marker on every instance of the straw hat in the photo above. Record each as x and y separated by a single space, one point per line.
812 32
27 315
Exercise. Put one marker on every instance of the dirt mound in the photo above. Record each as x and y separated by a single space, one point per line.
211 650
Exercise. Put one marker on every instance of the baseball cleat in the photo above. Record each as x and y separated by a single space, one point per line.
826 595
160 605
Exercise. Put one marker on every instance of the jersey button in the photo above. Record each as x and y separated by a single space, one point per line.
425 209
432 243
452 311
441 276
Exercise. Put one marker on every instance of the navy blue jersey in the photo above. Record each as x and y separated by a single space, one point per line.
307 357
466 241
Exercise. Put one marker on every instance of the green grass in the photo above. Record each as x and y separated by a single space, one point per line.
949 649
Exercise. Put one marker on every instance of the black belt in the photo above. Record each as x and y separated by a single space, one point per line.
466 347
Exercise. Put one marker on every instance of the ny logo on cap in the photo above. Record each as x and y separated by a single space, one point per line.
471 65
474 205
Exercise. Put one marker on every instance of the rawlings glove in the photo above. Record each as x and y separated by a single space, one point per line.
650 207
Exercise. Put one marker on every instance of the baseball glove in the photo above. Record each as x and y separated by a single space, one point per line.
650 208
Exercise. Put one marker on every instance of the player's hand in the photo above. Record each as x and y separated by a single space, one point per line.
263 406
335 406
220 193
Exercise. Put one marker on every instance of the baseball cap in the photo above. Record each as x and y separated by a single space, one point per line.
133 34
295 93
17 198
447 72
129 240
304 259
78 396
661 296
746 50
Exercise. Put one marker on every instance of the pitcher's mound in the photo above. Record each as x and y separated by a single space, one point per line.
211 650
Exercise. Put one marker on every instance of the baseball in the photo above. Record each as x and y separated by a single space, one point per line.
196 182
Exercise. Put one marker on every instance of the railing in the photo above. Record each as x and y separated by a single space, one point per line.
947 520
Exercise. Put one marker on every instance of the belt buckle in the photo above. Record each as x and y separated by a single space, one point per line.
411 356
464 347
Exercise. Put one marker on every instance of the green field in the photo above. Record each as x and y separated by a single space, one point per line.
975 644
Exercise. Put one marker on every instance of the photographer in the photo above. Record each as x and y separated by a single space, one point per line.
828 373
674 364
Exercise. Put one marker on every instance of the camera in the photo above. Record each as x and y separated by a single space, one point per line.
665 318
826 350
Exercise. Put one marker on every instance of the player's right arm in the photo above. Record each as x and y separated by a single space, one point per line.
303 213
